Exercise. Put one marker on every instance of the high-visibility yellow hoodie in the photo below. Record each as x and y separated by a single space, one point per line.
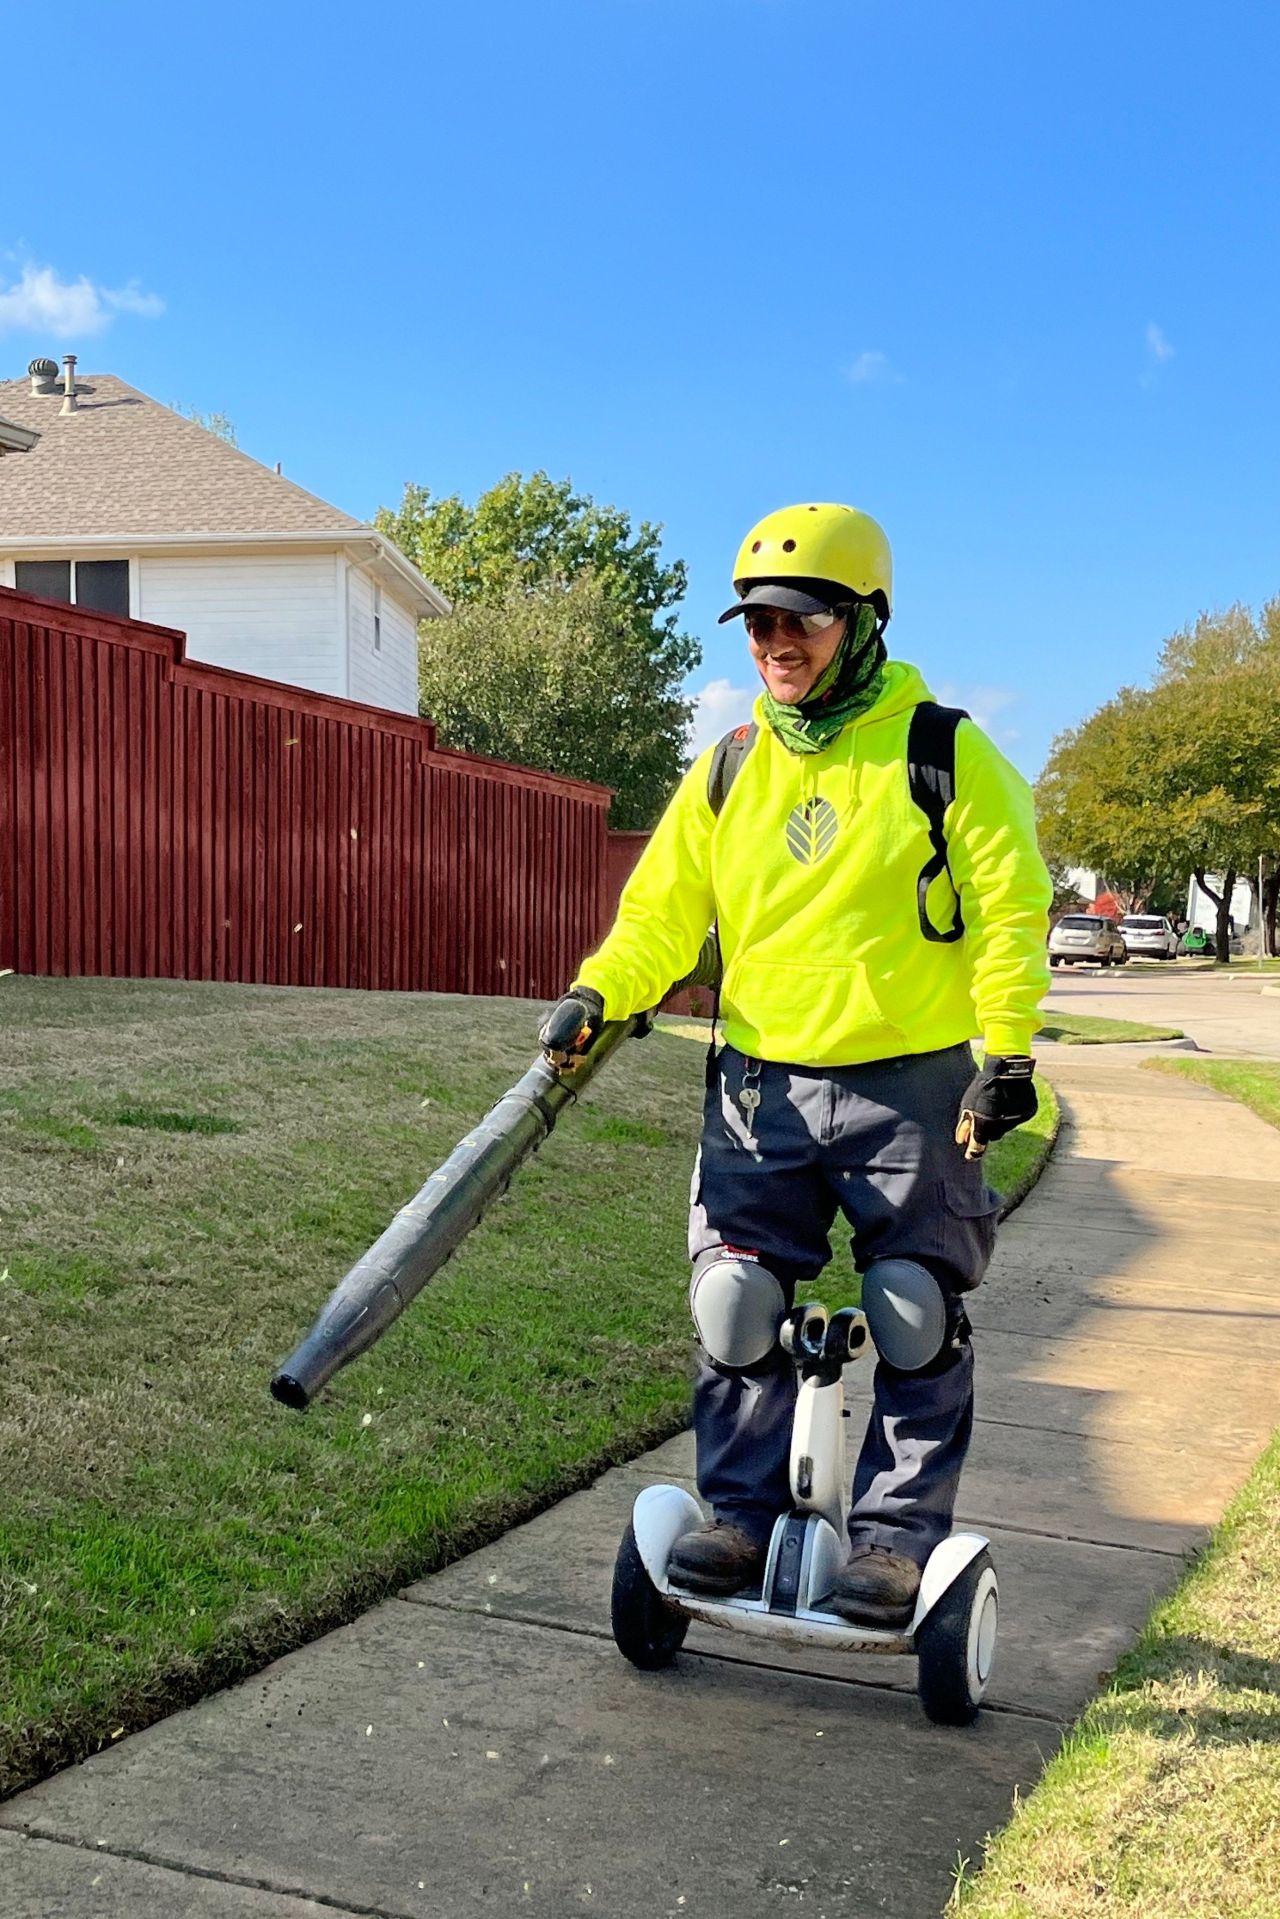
811 871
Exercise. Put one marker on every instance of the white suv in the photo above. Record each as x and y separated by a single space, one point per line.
1148 936
1078 937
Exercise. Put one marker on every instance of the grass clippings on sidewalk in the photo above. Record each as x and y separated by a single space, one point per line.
1255 1083
1164 1801
187 1170
1081 1029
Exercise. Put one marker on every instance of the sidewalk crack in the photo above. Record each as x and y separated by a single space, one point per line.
138 1856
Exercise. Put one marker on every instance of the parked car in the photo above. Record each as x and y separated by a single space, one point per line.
1196 940
1086 937
1149 936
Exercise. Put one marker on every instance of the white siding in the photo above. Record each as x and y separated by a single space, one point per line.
276 615
385 676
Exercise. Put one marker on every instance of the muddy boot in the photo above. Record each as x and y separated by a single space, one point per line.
718 1558
876 1588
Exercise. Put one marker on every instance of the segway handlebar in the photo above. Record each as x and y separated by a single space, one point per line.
431 1226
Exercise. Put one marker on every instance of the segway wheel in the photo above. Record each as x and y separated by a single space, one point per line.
956 1644
646 1630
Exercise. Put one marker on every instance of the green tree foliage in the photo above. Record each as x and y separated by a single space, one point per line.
1181 777
216 423
563 651
551 676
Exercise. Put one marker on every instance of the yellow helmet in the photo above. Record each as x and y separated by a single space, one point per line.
812 547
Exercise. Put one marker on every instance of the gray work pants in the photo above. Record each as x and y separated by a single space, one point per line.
876 1143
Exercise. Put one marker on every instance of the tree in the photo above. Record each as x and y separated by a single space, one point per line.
216 423
510 565
1096 806
1183 776
551 676
1230 662
532 531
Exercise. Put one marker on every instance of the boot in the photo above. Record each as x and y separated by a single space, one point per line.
718 1558
876 1588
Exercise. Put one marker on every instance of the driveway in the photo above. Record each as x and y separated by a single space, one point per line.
1227 1014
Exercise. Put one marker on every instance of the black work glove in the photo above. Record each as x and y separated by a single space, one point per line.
997 1099
571 1025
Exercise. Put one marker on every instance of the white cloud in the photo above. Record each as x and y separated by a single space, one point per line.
1157 346
984 705
874 367
720 705
1159 351
41 302
131 299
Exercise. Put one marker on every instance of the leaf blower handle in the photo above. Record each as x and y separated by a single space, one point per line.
571 1025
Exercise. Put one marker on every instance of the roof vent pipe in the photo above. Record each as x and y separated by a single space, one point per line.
68 384
44 376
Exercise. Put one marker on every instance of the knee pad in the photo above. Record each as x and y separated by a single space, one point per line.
906 1313
737 1306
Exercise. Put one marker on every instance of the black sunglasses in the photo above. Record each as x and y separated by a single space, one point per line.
761 620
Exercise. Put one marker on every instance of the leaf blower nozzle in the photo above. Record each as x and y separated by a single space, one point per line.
426 1231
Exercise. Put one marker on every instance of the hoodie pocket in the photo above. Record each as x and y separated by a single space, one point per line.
811 1013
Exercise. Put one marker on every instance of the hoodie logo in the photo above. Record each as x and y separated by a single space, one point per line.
811 831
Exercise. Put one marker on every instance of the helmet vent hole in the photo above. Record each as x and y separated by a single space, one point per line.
756 545
788 546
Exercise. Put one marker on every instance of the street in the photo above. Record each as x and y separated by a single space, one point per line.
1227 1014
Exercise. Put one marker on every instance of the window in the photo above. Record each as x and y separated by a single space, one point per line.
377 619
50 579
100 585
103 585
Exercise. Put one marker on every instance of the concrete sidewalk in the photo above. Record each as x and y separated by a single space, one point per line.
476 1745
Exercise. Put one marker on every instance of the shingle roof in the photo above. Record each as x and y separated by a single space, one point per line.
122 463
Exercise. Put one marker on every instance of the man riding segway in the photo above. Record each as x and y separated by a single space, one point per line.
868 861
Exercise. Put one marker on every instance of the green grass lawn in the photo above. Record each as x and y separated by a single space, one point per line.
1164 1802
187 1171
1080 1029
1255 1083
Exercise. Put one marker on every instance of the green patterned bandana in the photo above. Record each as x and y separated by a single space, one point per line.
848 685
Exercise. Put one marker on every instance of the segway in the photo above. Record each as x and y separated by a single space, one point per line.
952 1631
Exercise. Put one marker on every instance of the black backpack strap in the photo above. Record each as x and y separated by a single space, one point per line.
931 773
730 752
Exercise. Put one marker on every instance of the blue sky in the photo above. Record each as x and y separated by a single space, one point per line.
1006 275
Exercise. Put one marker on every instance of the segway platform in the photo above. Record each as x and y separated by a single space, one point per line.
952 1630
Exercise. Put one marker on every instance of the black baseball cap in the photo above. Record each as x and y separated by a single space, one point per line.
790 598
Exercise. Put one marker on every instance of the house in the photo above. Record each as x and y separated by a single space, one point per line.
121 505
1202 908
16 439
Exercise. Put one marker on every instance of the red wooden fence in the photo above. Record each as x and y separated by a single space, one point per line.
624 850
160 818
